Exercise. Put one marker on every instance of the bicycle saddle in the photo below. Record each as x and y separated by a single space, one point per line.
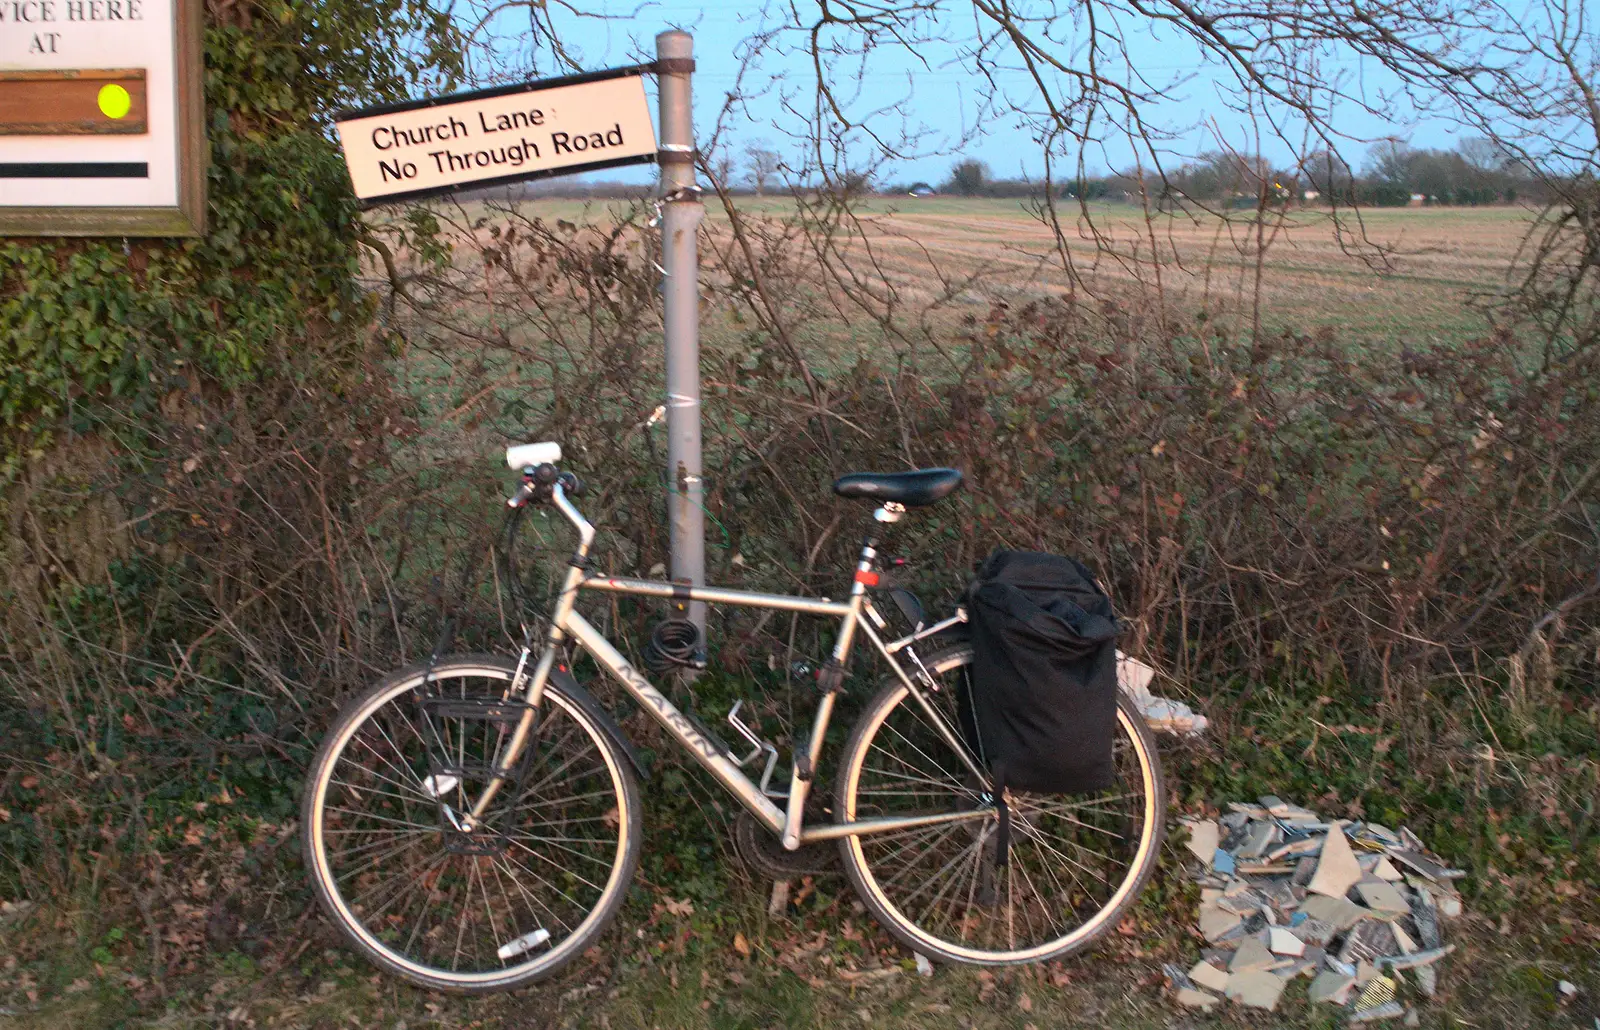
912 489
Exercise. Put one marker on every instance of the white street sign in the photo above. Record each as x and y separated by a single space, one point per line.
555 127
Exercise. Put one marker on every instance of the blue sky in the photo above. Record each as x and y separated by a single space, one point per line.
940 100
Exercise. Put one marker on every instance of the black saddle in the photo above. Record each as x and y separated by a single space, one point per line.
912 489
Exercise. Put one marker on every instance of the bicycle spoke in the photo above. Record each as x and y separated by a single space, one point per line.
421 795
369 790
536 876
1067 858
960 856
380 818
391 848
948 775
450 899
531 899
563 800
1038 838
928 850
488 908
411 887
527 899
922 779
552 862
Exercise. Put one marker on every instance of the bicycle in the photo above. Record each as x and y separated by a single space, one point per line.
471 823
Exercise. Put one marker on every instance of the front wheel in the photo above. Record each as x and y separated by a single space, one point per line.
1075 863
430 895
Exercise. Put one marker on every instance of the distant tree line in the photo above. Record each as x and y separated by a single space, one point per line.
1474 172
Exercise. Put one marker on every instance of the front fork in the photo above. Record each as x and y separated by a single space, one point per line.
534 692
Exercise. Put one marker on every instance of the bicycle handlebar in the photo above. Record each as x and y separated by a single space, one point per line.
558 496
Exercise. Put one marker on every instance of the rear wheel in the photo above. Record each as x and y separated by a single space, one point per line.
469 910
1075 863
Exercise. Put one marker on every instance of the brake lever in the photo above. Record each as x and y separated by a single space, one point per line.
524 494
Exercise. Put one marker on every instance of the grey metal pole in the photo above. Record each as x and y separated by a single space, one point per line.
680 222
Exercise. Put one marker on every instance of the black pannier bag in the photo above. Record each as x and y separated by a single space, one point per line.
1042 706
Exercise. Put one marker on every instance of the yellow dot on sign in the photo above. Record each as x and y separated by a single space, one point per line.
114 101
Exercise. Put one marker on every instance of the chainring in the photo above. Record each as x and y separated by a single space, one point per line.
765 856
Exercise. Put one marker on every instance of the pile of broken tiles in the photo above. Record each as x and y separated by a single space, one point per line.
1285 894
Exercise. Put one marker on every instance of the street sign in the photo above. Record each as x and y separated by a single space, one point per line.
101 118
555 127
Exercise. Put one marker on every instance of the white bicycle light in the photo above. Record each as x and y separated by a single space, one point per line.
527 455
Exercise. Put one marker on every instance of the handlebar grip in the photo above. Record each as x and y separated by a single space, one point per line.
571 484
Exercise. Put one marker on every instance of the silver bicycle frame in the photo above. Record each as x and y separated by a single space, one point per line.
567 623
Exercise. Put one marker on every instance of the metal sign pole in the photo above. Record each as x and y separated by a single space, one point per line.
680 222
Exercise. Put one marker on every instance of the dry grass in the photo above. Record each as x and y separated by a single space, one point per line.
1408 275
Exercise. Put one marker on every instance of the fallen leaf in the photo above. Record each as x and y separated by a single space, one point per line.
806 887
30 781
680 908
1025 1003
741 945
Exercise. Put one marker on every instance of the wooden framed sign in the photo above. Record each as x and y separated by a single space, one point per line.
425 148
102 123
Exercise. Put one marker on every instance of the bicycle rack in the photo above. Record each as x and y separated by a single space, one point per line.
759 745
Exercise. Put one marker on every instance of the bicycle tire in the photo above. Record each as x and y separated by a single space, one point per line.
399 779
1029 816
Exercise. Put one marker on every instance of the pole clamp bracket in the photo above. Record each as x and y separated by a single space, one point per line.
682 193
673 65
676 154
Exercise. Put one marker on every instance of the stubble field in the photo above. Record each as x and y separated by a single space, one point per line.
1383 274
